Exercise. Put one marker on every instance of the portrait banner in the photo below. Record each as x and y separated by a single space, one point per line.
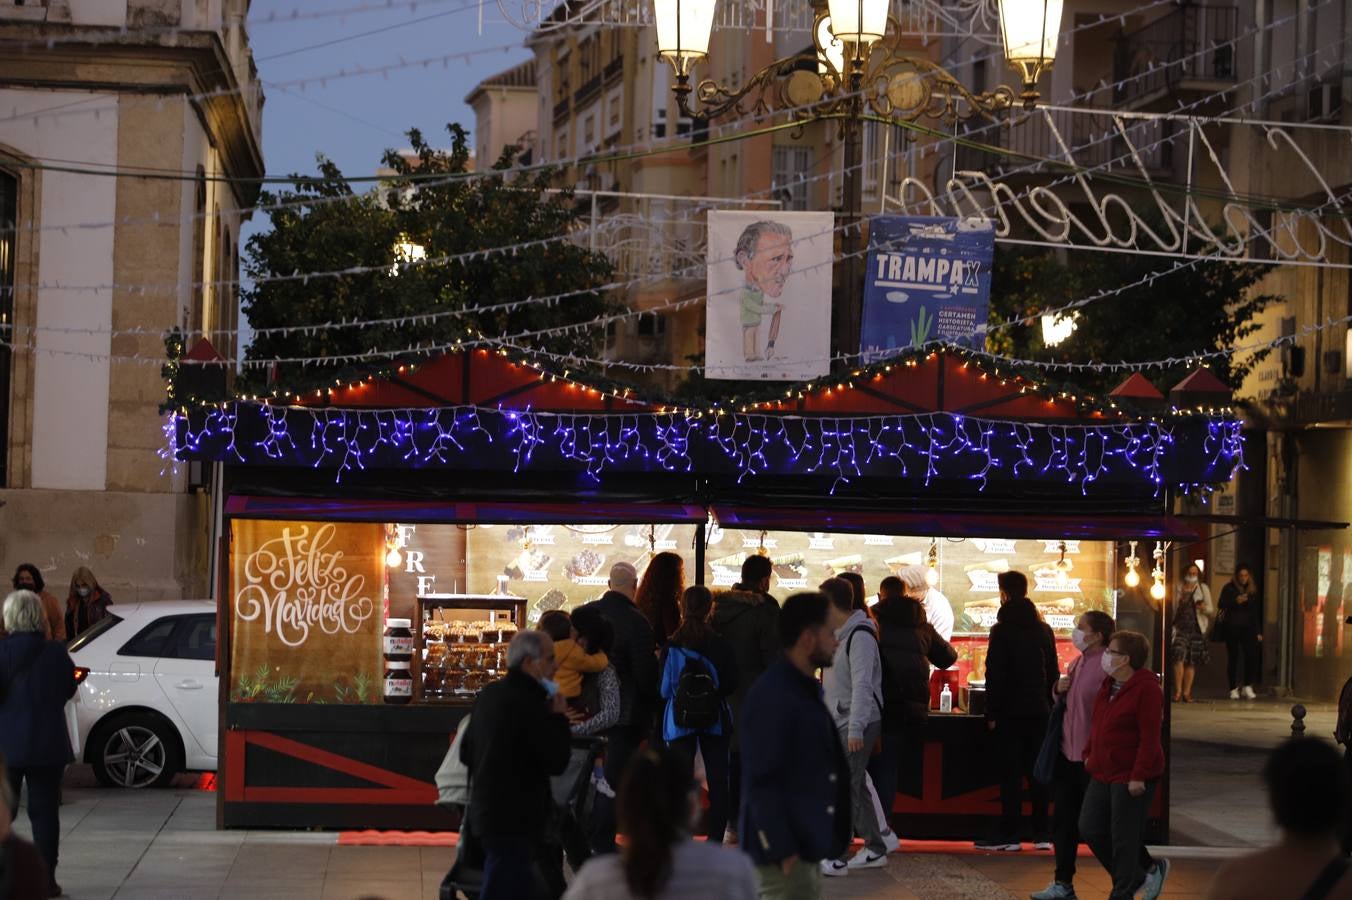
928 278
768 312
305 612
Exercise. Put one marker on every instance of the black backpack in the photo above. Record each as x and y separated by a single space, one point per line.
696 705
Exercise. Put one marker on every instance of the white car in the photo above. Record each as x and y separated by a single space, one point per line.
147 704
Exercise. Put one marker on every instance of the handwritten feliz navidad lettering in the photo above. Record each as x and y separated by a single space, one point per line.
294 583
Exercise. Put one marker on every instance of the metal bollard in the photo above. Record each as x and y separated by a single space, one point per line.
1297 721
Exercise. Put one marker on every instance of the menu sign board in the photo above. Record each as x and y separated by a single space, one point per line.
305 624
1061 588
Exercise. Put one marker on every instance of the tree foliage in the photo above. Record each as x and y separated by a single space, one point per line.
324 223
1197 308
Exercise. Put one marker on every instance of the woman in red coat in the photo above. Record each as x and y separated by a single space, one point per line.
1125 759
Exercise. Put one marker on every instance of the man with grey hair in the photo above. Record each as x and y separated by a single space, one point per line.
634 656
516 739
938 611
764 253
37 677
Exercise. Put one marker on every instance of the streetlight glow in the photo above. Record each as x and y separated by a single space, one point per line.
683 28
862 22
1030 29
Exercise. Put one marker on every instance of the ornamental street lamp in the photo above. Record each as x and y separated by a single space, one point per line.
854 69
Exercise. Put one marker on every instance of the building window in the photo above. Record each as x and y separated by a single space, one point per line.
614 111
652 326
9 219
199 259
589 133
660 124
789 176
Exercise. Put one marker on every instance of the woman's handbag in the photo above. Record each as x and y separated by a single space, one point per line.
453 776
1219 630
1044 770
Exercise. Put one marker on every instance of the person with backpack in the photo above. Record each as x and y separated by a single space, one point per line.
854 689
908 645
699 673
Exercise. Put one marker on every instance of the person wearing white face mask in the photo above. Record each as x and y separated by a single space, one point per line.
86 603
1080 687
1193 612
1125 759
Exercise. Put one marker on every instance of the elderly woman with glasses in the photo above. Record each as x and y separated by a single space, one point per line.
37 677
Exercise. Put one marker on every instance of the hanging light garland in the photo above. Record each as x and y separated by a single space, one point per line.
1132 578
1157 589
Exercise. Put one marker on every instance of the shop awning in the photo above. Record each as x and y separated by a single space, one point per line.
627 512
955 525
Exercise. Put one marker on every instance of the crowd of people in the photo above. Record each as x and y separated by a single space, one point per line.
793 716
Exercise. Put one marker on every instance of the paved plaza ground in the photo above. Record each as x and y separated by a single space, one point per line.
164 844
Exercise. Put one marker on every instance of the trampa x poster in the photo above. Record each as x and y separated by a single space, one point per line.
928 278
768 311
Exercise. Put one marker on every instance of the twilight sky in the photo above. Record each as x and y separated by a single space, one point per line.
352 120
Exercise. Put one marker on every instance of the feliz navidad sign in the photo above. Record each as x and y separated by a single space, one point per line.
306 607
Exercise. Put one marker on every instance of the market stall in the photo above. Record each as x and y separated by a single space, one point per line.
435 512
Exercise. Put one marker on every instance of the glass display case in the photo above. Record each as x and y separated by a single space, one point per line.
460 643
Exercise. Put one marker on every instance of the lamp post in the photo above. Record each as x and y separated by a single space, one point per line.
855 68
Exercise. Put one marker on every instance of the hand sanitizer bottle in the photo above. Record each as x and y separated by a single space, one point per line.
945 700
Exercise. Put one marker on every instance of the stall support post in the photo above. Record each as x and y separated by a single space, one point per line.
701 532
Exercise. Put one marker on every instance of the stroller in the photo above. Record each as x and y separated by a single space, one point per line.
574 796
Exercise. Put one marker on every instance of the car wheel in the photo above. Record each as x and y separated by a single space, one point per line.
135 751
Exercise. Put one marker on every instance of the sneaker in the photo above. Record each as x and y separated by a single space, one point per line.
891 841
1154 880
1001 846
867 859
601 785
1234 694
730 836
1055 891
1248 692
834 868
1043 845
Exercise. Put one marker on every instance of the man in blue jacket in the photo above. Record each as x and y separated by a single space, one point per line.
795 779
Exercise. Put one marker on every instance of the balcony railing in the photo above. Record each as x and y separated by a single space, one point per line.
1195 43
1029 144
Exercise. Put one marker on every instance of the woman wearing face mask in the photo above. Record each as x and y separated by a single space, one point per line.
1124 759
86 604
658 803
1080 687
1193 612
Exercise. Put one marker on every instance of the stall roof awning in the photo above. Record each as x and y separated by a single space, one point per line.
625 512
956 525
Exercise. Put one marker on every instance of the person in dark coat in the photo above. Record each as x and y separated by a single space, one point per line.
748 618
1021 671
1240 622
635 659
516 739
909 645
694 640
795 778
37 677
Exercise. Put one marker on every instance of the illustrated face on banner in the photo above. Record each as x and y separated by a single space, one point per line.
768 313
768 259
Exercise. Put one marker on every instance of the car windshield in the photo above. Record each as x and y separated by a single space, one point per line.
92 632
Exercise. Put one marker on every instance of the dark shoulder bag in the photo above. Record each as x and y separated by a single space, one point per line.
1328 880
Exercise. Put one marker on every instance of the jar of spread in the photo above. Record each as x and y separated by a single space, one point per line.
398 640
398 683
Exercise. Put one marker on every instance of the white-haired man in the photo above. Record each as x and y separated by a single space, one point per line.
635 659
938 611
516 739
